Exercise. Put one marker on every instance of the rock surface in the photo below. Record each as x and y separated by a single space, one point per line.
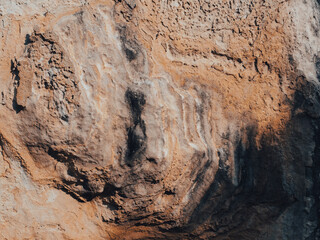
143 119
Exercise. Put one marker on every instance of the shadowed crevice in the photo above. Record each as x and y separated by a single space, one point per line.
15 76
136 133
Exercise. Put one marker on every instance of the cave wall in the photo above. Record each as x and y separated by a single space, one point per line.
140 119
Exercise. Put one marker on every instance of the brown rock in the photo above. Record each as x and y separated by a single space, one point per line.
159 120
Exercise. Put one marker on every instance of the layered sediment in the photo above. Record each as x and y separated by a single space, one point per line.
139 119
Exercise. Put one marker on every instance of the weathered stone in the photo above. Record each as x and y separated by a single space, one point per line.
159 119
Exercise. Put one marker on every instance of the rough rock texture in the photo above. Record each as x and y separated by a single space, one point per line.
145 119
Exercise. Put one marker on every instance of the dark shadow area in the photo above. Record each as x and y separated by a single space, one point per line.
27 40
317 65
131 48
130 54
87 192
15 76
136 133
274 177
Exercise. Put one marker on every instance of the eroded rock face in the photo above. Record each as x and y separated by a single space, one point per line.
160 119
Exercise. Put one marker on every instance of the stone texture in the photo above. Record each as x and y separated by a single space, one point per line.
143 119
